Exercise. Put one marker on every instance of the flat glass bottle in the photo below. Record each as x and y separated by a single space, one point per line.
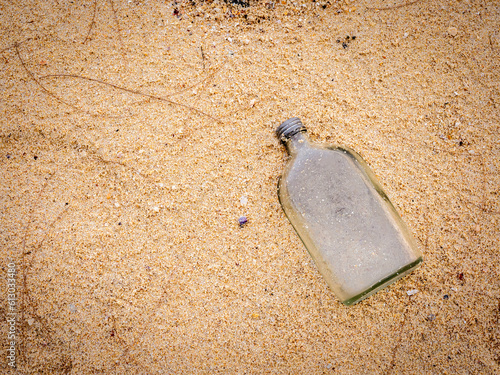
352 231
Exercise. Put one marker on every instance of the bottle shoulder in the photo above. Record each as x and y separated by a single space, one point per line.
321 148
328 159
322 156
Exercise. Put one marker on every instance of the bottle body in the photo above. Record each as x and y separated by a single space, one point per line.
354 234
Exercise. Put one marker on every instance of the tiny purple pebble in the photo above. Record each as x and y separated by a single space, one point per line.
242 220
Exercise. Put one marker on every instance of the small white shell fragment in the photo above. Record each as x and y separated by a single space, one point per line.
156 209
243 200
412 292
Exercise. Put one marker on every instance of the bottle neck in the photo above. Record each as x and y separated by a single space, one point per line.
297 142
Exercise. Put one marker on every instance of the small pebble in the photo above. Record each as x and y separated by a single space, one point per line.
31 321
72 308
453 31
412 292
242 221
156 209
243 200
446 296
431 317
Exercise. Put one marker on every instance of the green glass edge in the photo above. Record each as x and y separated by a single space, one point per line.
384 282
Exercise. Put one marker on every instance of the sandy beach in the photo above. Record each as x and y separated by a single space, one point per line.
135 134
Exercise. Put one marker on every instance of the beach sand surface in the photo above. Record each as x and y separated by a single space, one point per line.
135 134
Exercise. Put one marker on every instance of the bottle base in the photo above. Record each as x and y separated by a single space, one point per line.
383 283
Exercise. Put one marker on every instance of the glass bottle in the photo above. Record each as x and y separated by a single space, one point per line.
347 223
